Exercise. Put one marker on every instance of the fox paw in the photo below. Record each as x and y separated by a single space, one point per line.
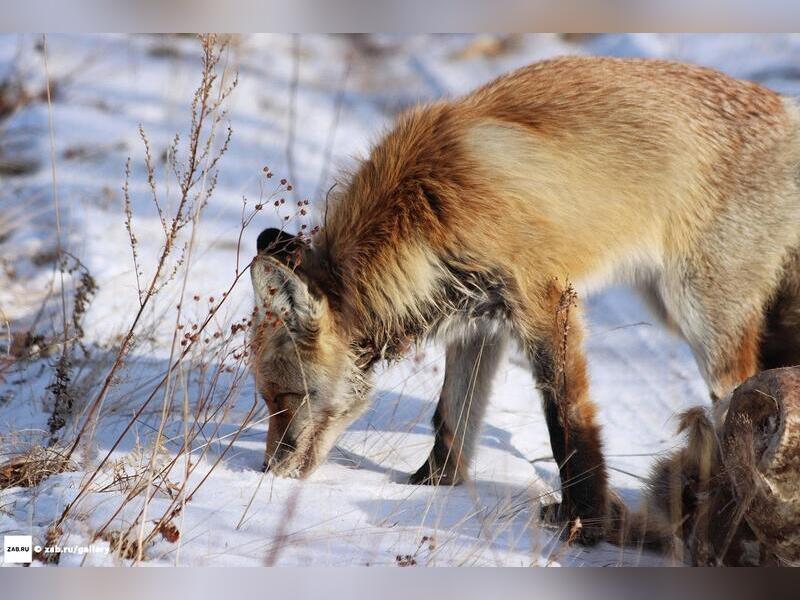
585 530
429 474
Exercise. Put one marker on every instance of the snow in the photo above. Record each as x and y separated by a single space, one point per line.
356 509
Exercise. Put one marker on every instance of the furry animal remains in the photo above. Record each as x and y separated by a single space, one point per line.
471 217
731 495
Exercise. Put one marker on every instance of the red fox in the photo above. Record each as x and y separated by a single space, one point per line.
468 220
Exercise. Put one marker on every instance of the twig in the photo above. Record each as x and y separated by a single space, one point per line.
185 211
337 111
293 84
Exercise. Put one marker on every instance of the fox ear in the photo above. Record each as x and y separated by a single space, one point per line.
277 287
279 245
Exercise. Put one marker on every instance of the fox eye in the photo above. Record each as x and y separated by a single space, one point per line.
279 399
285 398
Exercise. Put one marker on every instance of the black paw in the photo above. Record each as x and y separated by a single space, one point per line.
429 474
586 530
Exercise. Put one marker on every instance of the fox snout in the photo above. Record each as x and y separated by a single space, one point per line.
283 456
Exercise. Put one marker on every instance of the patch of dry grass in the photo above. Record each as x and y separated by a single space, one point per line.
33 467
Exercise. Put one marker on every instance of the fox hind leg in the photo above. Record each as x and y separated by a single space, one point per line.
718 309
780 344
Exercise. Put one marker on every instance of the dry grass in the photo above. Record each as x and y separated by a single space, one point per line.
33 467
213 353
193 165
206 353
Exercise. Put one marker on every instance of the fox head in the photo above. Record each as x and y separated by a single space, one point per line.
303 363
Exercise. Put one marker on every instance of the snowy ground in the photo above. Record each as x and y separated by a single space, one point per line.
355 510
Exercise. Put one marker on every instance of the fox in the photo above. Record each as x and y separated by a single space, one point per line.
473 219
